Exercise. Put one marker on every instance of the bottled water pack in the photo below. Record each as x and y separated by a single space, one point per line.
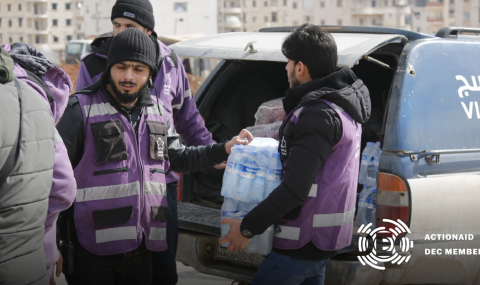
369 165
367 202
253 172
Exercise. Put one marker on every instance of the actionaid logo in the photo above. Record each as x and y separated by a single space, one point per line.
387 252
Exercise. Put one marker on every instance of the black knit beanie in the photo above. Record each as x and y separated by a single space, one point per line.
133 45
139 11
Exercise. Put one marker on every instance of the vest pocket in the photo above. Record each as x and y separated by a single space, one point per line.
156 170
158 140
159 214
112 216
109 141
110 171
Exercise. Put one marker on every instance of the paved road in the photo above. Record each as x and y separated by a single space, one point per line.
186 276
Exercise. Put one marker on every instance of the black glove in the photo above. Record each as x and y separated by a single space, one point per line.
29 58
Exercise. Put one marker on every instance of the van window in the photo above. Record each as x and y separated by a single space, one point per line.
74 48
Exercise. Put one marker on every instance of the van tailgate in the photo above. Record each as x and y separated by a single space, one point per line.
199 218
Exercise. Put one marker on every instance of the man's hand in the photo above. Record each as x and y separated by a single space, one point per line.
59 265
222 165
244 134
234 237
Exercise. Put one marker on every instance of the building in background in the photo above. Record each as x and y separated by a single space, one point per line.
46 24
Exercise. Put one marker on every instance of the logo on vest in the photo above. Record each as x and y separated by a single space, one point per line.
376 259
167 86
283 147
160 147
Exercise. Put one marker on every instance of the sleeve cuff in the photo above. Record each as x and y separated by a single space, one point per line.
219 153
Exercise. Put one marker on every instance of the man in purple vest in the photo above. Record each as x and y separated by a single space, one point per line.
320 148
174 91
121 144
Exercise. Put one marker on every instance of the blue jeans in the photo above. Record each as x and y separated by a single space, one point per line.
164 266
282 269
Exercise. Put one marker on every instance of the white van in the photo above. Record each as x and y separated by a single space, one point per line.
77 49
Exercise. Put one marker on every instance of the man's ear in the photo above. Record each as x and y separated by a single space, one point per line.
148 32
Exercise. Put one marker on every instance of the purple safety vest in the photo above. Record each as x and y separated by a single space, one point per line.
327 214
121 196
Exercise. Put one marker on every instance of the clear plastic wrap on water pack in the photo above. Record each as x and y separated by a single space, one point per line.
252 173
270 112
266 130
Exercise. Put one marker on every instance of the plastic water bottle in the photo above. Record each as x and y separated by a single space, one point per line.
230 177
367 206
229 210
274 175
373 166
248 171
366 160
265 241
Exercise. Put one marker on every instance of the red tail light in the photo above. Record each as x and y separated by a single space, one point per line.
393 201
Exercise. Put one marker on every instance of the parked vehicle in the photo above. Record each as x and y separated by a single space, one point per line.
426 115
76 49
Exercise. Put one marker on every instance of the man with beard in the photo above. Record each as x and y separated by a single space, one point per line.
121 145
173 89
315 204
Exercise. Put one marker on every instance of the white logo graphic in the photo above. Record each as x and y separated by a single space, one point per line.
283 147
160 145
372 258
471 108
166 86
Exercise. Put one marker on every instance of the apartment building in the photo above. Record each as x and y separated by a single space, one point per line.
429 16
47 24
172 17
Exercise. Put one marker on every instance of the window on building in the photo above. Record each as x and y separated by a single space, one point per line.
322 4
360 3
254 3
20 20
254 19
98 7
21 39
385 3
54 22
54 6
19 7
465 0
9 7
285 19
374 3
374 22
55 39
68 6
408 19
294 5
244 17
466 17
38 39
307 19
419 30
182 7
68 22
322 22
339 3
285 2
10 39
295 23
265 3
274 3
232 4
9 23
360 22
0 23
394 3
452 1
69 38
274 17
339 22
266 19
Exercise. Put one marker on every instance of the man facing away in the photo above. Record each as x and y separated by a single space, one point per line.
320 147
41 182
121 146
173 90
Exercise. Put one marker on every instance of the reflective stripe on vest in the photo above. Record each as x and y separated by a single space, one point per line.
154 110
157 234
155 188
319 221
114 234
100 109
108 192
313 191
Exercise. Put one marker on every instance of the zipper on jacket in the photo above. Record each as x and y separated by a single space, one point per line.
109 171
156 170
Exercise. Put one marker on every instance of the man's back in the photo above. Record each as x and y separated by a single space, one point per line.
24 194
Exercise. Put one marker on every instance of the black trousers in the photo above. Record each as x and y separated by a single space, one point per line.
134 267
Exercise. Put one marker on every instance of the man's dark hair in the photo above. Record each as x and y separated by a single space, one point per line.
313 46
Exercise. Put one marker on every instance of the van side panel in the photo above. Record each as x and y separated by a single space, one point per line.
433 108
